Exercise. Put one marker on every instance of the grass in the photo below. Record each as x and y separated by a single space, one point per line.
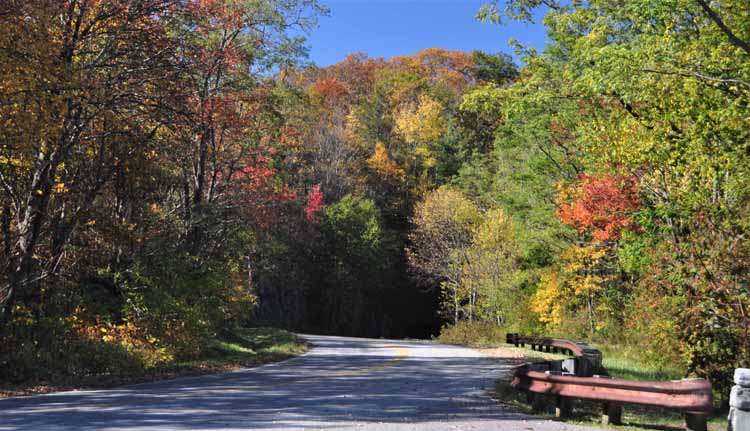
248 347
622 363
231 350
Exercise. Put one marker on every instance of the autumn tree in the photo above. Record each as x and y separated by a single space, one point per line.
657 91
228 45
142 143
83 92
489 274
443 226
602 207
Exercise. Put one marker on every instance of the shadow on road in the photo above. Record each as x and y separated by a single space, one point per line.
342 382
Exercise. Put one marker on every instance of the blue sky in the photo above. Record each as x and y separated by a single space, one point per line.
384 28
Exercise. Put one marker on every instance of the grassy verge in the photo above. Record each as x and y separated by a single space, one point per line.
231 350
619 363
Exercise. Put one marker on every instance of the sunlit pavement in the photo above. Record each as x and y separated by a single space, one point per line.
343 384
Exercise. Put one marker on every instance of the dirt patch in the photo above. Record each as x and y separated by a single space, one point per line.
503 353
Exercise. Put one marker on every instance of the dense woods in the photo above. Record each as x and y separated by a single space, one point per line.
173 168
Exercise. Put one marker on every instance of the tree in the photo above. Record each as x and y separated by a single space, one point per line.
659 93
443 226
497 69
602 206
490 271
357 245
101 71
315 204
228 45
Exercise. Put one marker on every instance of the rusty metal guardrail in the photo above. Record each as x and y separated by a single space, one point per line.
589 359
693 397
577 349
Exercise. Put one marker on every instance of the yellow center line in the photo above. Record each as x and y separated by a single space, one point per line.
402 353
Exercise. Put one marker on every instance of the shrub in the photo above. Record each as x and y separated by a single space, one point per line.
472 333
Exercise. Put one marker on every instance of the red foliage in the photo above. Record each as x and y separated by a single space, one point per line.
257 188
315 204
600 204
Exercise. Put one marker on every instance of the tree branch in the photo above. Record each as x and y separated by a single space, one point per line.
717 19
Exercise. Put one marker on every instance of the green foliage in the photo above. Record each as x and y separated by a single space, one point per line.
655 91
353 224
496 68
357 253
600 191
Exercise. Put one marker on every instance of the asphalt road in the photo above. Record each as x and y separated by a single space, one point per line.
341 384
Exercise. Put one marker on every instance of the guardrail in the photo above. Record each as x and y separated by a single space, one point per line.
693 397
589 359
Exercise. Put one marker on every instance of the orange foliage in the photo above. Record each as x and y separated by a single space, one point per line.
601 205
382 163
356 73
441 66
331 90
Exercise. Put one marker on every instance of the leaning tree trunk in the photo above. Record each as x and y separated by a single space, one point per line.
29 229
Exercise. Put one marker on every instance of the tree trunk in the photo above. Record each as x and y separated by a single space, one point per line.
592 320
455 306
7 239
34 214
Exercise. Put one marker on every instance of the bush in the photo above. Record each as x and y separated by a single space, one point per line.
472 334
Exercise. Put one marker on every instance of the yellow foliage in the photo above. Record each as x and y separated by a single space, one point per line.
382 163
133 338
353 130
60 188
11 161
582 278
428 159
490 256
490 267
423 122
447 207
549 300
583 269
496 231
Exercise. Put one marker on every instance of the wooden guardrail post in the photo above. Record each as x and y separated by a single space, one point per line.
696 422
538 403
611 413
563 407
739 401
511 338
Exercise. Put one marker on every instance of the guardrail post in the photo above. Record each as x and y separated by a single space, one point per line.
563 407
611 414
696 422
511 338
739 401
537 403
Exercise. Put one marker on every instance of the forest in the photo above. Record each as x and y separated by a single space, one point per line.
173 168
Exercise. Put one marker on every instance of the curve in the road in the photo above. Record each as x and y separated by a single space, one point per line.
342 383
